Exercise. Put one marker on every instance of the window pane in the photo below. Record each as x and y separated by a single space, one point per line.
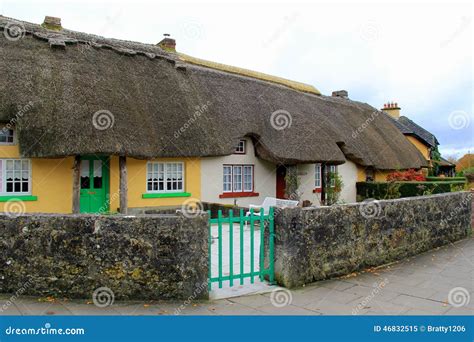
85 176
227 180
248 175
97 174
317 176
237 178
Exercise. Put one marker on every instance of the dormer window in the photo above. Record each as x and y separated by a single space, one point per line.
6 136
240 149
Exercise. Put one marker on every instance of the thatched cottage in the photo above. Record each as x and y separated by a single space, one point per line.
93 124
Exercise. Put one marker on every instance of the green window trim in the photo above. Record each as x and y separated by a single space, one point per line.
166 194
18 197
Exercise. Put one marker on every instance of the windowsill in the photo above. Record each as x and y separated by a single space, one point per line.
239 194
24 198
317 190
165 194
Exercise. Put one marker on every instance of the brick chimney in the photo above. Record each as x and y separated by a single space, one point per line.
167 43
340 93
52 23
392 109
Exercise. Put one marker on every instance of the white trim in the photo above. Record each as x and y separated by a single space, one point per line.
317 167
13 136
242 167
3 182
183 189
244 147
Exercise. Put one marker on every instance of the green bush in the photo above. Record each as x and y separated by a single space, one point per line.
446 179
389 190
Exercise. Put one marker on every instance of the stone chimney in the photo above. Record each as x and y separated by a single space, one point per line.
340 93
52 23
392 109
167 43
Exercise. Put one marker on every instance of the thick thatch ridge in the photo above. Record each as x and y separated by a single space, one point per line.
165 107
245 72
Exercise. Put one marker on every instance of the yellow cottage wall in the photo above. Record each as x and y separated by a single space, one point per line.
51 182
425 151
137 183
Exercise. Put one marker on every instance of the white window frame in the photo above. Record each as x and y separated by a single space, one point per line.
3 182
242 179
333 169
317 176
241 147
13 137
165 170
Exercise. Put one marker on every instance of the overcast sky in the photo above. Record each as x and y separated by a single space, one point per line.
417 54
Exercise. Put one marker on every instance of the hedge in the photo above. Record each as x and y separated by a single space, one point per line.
388 190
446 179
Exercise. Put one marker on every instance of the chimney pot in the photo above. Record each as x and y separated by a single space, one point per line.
340 93
167 43
52 23
392 109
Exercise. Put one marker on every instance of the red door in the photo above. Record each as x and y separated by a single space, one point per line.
280 181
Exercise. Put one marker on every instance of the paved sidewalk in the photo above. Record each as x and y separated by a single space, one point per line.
417 286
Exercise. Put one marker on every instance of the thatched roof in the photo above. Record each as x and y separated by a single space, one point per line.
163 106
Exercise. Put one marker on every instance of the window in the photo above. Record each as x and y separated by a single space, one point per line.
240 149
332 169
6 136
15 176
369 174
238 178
317 176
165 177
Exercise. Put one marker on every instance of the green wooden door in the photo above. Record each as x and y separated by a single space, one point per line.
94 184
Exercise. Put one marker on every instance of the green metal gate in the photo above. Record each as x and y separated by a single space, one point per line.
234 230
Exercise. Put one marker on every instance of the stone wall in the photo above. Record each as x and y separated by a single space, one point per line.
317 243
143 257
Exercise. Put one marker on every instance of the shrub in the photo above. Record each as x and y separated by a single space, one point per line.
446 179
385 190
408 175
